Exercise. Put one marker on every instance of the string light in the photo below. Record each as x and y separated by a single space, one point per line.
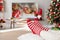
57 0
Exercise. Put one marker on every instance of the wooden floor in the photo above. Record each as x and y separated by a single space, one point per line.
12 35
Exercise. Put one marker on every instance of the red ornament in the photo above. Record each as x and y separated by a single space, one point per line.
57 4
56 17
16 13
1 5
48 18
54 0
51 13
36 12
40 11
39 14
59 8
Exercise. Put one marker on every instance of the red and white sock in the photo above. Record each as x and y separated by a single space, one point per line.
36 27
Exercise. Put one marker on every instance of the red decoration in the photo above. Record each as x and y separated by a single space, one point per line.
59 8
40 12
57 4
54 0
59 25
36 12
16 13
1 1
51 13
36 19
1 5
36 27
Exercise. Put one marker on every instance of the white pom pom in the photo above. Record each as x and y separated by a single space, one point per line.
39 16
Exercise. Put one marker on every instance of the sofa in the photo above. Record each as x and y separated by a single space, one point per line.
40 35
44 35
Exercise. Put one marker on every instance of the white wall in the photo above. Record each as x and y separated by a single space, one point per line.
8 6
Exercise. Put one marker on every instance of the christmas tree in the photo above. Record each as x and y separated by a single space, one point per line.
53 15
